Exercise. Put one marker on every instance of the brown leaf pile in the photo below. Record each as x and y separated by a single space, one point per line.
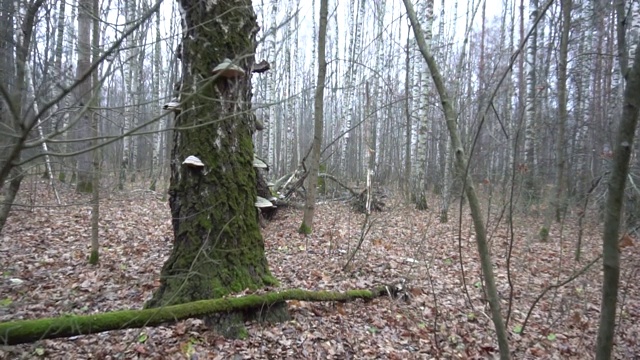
44 251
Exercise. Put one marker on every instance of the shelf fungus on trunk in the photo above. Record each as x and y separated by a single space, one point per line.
227 69
193 161
259 163
173 105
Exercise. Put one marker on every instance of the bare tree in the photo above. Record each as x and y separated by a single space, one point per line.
314 162
461 164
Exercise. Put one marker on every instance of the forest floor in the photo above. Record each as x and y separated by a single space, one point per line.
43 262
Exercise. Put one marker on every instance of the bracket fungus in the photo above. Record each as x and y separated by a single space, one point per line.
263 203
193 161
173 105
258 163
228 70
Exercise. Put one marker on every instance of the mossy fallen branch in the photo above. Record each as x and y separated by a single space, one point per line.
25 331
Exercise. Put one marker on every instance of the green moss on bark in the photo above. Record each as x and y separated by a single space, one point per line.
304 229
218 248
94 258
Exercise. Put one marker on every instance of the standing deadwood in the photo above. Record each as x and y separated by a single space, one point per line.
461 164
83 94
217 246
560 200
619 171
94 257
312 179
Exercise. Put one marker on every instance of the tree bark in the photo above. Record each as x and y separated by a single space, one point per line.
83 95
218 248
94 256
312 178
560 198
619 171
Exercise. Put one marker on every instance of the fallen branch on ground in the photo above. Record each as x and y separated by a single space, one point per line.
25 331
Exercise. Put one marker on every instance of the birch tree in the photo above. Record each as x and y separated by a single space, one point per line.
530 105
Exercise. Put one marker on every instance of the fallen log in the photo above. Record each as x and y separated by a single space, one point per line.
25 331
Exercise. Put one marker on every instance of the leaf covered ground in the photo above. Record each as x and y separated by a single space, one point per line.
43 261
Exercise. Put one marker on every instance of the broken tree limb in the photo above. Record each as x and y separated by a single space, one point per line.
25 331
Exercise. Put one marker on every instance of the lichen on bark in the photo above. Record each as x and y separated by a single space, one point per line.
218 248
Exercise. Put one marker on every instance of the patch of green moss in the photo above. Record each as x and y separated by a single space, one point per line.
444 216
304 229
62 176
543 234
94 258
322 185
84 186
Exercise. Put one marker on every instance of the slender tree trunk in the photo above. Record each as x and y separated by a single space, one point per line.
461 164
83 94
156 148
560 195
94 257
318 118
531 105
14 71
619 171
408 165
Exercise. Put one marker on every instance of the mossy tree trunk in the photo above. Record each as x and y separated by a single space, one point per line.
218 248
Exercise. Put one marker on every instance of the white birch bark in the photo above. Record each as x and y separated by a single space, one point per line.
270 123
352 74
157 135
634 28
45 148
426 10
530 105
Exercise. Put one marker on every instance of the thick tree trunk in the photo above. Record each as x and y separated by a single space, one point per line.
25 331
218 248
